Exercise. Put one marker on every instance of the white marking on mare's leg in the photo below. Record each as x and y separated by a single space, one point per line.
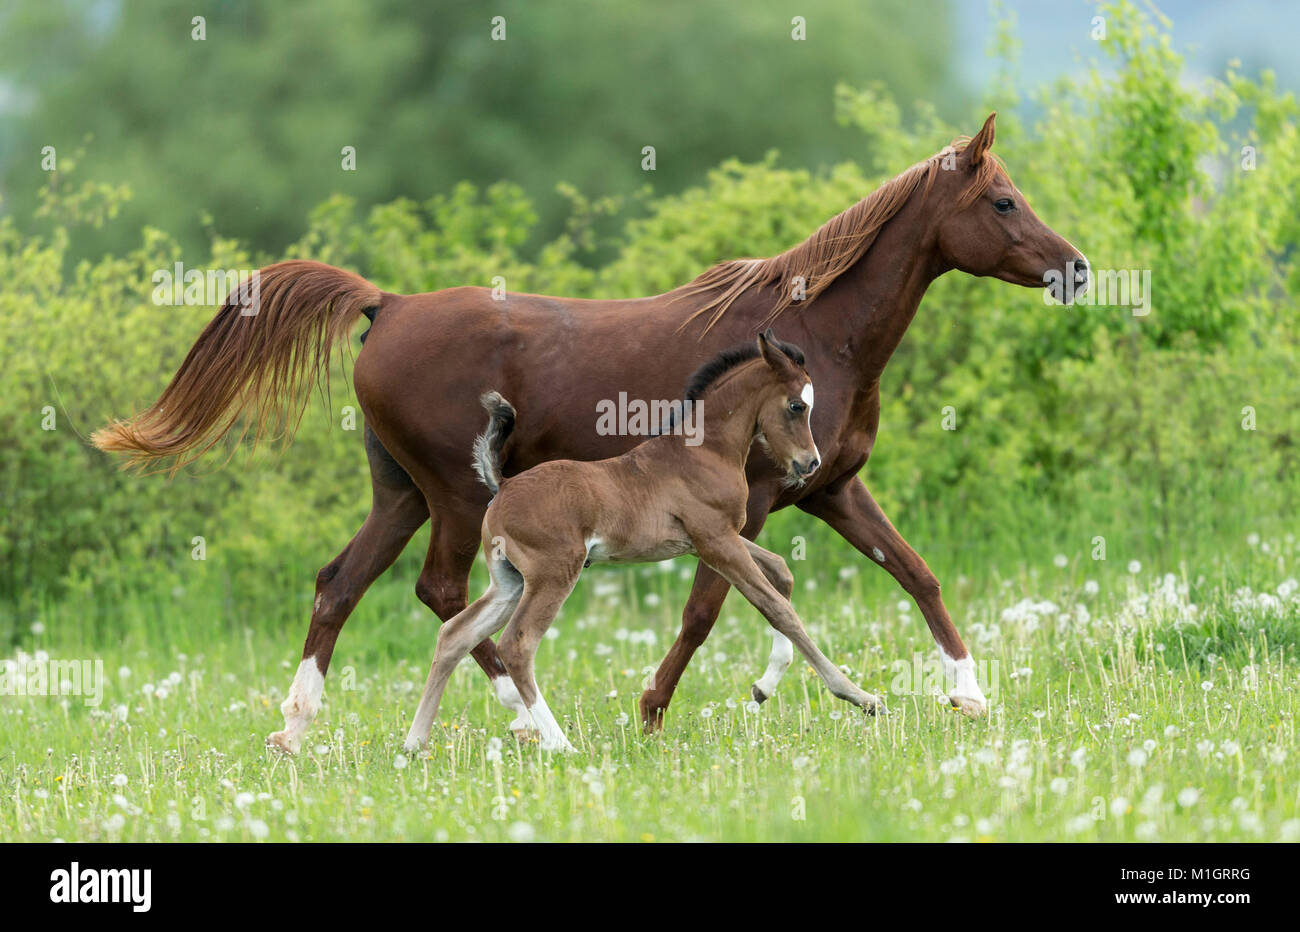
300 706
777 663
879 556
966 694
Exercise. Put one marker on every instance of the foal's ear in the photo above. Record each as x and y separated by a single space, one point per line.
982 142
771 353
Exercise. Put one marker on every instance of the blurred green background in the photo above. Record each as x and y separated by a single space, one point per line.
522 158
246 126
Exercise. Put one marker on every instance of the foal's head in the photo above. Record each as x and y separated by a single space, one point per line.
785 409
772 374
988 228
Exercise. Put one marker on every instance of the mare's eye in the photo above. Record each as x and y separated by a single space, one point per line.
1004 205
796 407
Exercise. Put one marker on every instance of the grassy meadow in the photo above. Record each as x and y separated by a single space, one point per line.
1150 695
1142 697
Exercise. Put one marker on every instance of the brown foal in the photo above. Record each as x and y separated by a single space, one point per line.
660 500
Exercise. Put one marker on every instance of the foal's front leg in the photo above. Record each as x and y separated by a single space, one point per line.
731 557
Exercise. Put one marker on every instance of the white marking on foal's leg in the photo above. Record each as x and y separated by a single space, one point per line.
878 555
299 707
966 694
777 663
523 725
552 735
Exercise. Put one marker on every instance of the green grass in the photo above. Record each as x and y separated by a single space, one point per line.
1120 713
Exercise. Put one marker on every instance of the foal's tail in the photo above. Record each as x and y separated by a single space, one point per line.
487 446
257 354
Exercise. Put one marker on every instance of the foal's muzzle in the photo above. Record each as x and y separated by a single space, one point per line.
805 468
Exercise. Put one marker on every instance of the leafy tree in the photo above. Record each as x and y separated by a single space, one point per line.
249 124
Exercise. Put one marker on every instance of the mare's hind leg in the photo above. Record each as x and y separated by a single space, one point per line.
460 635
548 580
778 574
396 512
444 587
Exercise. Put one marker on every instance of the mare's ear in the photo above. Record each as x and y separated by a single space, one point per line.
772 354
982 142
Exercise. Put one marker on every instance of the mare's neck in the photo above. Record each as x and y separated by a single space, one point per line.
866 311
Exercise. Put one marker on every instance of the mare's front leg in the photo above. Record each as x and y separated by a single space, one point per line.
730 556
852 512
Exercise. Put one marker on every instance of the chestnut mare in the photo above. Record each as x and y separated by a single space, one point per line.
659 500
859 279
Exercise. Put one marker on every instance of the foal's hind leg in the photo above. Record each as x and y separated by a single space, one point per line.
397 511
458 636
444 587
547 583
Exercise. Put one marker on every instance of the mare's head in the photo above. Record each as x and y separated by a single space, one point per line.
985 225
964 210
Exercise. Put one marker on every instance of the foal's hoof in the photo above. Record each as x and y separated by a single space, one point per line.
759 696
874 705
974 708
525 734
558 747
282 742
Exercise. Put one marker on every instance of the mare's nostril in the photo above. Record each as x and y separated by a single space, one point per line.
1080 269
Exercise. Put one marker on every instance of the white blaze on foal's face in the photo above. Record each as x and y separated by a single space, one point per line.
807 396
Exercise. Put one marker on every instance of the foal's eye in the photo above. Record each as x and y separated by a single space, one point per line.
796 407
1004 205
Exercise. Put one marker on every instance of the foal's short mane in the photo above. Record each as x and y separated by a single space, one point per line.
729 359
835 246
